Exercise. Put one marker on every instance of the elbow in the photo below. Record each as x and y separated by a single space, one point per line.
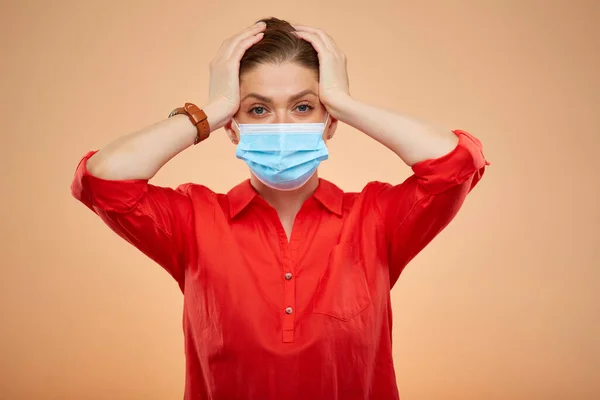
96 166
116 168
436 145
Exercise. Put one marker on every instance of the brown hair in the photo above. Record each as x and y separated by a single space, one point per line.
279 45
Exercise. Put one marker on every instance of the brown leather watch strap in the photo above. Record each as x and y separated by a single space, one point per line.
198 118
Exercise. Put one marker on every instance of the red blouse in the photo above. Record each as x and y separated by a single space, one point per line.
265 318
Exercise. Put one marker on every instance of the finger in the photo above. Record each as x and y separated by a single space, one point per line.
247 33
252 29
315 40
325 38
238 52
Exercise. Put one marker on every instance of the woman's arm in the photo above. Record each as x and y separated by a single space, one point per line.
160 221
141 154
411 140
446 164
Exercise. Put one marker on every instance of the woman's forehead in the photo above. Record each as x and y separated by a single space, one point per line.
278 81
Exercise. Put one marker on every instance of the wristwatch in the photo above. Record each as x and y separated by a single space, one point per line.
198 118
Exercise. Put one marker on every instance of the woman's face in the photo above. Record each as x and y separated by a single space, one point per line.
286 93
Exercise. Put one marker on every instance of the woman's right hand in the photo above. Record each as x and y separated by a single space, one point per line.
224 87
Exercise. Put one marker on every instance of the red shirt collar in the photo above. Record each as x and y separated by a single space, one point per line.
328 194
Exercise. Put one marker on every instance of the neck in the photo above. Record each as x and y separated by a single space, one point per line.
285 202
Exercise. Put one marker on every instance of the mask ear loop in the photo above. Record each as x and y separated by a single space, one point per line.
237 135
329 136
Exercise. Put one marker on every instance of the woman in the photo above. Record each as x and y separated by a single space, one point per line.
286 278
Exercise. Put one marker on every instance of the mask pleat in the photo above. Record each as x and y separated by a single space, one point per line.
283 156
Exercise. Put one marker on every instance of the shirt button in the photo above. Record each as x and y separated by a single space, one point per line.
289 310
288 276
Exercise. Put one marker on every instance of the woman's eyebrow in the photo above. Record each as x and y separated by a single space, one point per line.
269 100
302 94
257 96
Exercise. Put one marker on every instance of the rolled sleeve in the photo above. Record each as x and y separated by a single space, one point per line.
453 169
156 220
414 212
117 196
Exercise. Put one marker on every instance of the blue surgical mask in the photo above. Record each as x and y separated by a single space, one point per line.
282 156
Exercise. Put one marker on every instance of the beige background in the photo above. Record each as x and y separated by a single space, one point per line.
504 304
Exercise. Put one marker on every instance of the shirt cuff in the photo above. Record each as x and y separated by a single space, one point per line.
440 174
118 196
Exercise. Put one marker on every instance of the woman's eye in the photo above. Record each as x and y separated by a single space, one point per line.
258 110
304 108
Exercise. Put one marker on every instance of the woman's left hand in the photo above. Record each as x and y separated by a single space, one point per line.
333 80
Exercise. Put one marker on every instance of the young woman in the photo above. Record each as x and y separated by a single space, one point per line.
286 278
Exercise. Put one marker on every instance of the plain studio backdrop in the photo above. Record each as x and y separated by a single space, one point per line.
504 304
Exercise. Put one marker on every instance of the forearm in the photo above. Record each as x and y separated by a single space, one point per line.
141 154
412 140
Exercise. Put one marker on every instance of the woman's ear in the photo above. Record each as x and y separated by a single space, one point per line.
232 132
330 128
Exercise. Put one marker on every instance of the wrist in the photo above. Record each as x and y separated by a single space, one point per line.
218 114
340 107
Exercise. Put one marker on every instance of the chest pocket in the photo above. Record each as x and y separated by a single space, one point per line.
343 292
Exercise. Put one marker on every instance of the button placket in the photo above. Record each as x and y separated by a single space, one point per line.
289 283
290 257
289 298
